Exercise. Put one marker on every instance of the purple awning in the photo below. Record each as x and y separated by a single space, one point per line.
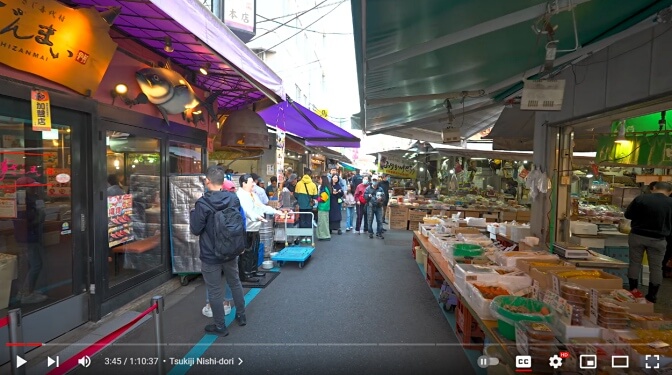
317 131
198 37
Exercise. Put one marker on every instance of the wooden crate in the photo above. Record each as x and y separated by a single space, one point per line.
416 215
523 216
468 333
398 212
398 224
476 214
507 216
414 225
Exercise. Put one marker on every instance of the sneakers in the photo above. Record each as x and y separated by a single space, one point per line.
207 310
370 235
242 320
380 235
34 297
213 329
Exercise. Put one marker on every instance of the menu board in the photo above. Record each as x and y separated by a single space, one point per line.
58 182
8 209
119 210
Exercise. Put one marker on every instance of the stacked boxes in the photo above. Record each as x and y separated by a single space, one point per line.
415 218
398 217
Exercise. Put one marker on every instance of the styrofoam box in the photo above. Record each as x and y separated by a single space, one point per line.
480 305
493 228
473 273
510 261
580 227
566 331
519 232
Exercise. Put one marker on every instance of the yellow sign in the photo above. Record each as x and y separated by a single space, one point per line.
44 37
39 102
396 168
324 113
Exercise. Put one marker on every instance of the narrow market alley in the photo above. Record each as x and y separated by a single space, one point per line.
359 305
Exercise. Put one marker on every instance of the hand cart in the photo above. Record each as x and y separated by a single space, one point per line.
299 252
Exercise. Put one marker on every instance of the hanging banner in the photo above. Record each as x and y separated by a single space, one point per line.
280 155
39 102
240 14
396 167
64 45
642 150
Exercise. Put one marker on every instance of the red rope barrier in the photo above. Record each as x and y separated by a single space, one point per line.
99 345
4 321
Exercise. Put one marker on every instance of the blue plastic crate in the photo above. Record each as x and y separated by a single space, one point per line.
620 253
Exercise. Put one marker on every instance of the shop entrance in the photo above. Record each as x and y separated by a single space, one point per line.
43 206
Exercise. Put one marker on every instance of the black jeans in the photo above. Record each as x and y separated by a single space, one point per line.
305 221
668 256
248 261
361 218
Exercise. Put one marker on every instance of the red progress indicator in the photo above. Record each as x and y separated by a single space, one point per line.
24 344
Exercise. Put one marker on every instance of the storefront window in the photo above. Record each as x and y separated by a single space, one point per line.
185 158
36 243
133 205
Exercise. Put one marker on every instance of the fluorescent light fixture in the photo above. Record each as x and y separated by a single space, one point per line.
589 175
452 171
422 169
620 138
51 134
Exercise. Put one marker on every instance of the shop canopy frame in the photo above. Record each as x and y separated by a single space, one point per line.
294 118
198 38
477 53
321 150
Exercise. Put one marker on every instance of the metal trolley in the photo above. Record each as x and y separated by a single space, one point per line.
298 252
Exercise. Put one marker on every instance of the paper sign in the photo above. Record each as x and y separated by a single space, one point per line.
119 216
270 169
556 284
41 109
560 305
8 208
594 305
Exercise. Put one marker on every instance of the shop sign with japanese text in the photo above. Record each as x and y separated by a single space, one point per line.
41 109
395 167
239 14
68 46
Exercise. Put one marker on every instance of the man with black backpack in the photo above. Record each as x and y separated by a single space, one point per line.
218 221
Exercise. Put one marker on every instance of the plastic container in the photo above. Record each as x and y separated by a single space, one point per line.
577 315
574 290
537 331
529 309
609 307
612 323
467 250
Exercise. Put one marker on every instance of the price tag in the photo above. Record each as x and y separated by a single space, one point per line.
521 341
565 311
535 289
594 305
556 284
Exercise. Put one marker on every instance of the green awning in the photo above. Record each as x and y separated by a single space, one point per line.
347 167
418 53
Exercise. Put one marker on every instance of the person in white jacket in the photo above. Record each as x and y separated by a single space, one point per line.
254 212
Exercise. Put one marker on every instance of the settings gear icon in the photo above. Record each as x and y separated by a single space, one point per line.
555 361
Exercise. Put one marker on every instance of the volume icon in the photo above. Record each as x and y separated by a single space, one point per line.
85 361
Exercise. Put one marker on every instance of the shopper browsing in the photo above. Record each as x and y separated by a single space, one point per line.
217 220
349 204
360 200
323 208
305 192
254 212
375 198
651 216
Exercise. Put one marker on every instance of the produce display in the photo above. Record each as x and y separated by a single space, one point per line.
490 292
581 274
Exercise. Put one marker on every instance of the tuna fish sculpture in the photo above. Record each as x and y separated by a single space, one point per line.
170 92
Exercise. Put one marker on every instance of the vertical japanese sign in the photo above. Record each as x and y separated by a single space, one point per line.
280 155
46 38
239 14
39 102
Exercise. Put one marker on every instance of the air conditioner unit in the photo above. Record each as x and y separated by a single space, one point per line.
543 95
450 135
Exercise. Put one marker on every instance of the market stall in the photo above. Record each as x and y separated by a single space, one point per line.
534 302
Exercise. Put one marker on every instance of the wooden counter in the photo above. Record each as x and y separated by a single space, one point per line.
437 262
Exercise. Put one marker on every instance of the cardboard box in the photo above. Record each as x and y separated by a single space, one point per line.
414 225
399 212
606 280
524 264
476 214
466 230
507 216
664 324
398 224
491 218
523 216
416 215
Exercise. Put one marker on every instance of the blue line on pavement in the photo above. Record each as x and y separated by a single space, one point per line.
199 349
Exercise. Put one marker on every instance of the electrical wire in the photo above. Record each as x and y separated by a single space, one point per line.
310 31
300 31
288 21
293 14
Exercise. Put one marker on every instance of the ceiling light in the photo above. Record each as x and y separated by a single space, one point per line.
121 89
452 171
589 175
110 14
422 169
168 44
620 138
204 69
524 161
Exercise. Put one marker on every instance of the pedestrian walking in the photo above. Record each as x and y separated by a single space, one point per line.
336 202
323 208
218 221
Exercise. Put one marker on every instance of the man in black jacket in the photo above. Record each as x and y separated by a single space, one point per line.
651 216
201 223
385 185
